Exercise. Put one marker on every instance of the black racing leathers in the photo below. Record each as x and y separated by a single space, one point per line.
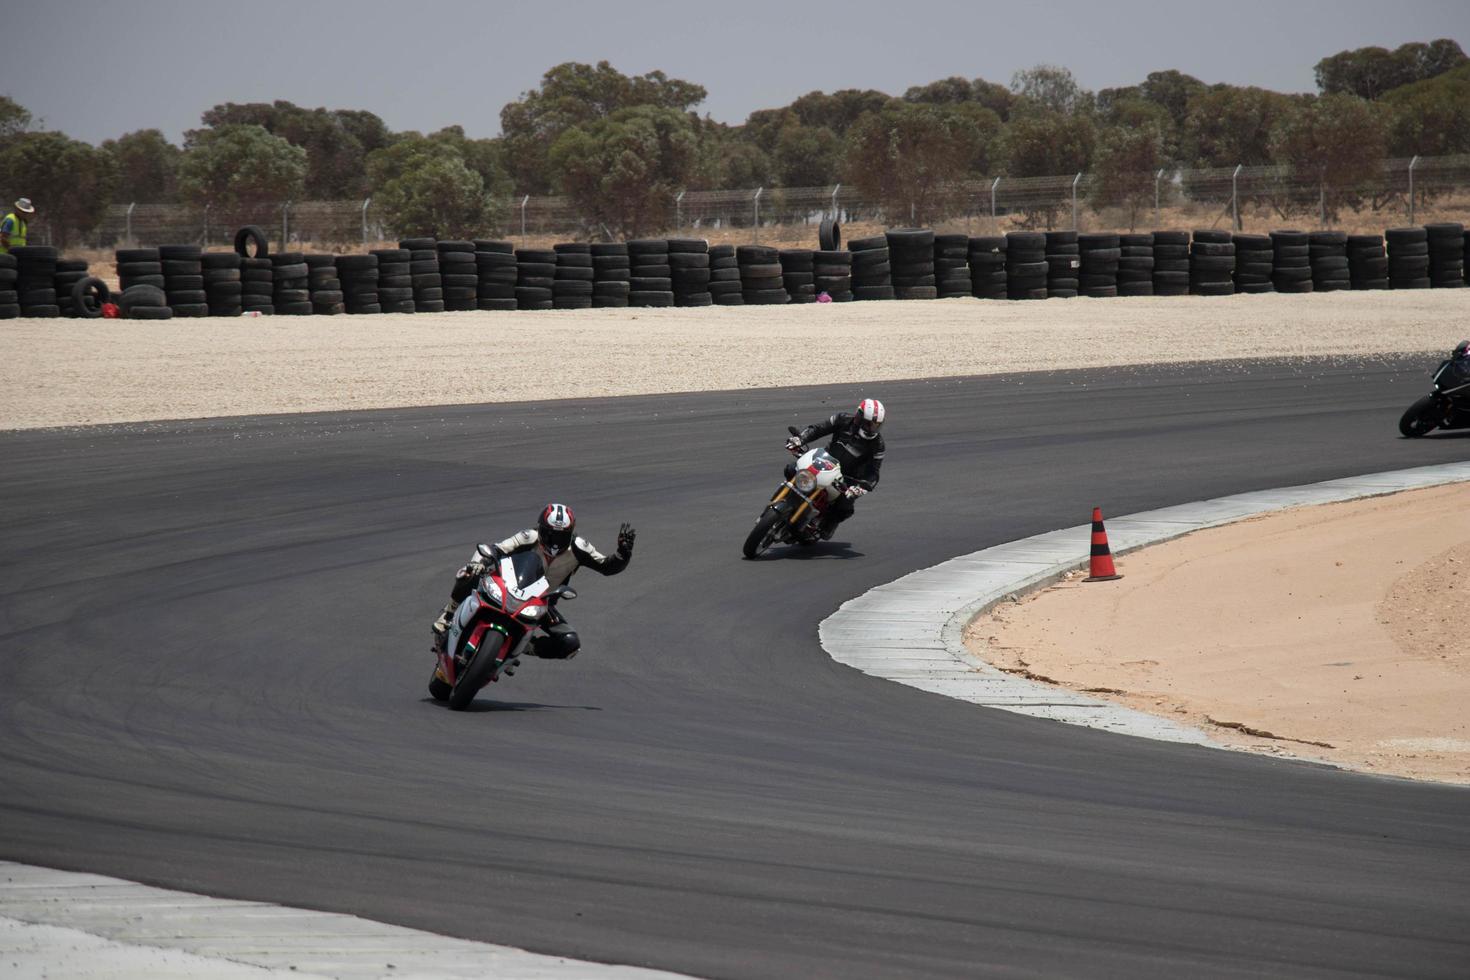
861 459
558 640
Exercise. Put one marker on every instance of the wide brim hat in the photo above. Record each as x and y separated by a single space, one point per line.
24 204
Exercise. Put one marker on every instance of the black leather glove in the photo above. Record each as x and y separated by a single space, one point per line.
626 537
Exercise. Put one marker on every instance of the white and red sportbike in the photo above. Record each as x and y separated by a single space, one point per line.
794 515
492 627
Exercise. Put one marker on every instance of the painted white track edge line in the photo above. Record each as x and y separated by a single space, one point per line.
911 630
62 923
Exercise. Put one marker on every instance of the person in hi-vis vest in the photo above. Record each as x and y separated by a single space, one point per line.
13 226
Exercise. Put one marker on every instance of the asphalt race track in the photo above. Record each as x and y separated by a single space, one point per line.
215 654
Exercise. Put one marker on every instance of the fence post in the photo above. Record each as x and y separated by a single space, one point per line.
1234 200
1412 164
131 205
756 215
679 210
993 185
1157 177
285 224
1074 199
523 218
206 224
365 204
834 201
1322 200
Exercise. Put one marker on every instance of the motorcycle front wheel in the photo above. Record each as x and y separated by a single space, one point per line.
476 675
1422 418
763 535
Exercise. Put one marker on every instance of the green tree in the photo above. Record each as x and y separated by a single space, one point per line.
424 187
1044 143
147 166
71 182
1339 140
14 118
839 110
240 169
1371 72
807 156
1228 125
574 94
1431 117
1051 88
958 91
336 141
623 171
1129 154
909 157
1172 91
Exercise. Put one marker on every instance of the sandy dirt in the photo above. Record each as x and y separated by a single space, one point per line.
72 372
1336 632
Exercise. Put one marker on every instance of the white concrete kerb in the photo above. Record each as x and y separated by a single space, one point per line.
911 630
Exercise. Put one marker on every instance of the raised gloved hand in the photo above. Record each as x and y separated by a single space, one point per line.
853 490
473 570
626 537
794 445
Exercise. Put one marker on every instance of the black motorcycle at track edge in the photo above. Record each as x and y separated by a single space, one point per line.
1446 407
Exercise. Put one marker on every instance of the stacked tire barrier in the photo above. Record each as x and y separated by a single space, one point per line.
291 279
423 266
223 288
1408 258
183 279
1026 265
651 279
1446 255
257 285
761 282
1327 251
724 276
612 274
798 277
986 257
689 273
35 268
872 273
1291 262
571 286
144 302
459 275
1367 262
323 284
1063 262
358 276
535 276
1098 255
1136 264
9 295
395 279
1212 263
911 263
88 295
832 274
495 275
951 266
1254 263
69 272
1171 263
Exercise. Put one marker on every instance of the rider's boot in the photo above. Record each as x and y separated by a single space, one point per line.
440 627
827 527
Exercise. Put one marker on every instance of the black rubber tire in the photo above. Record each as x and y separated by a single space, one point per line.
87 297
829 235
475 676
252 235
763 534
1418 420
150 313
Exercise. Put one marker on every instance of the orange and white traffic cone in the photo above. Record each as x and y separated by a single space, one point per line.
1100 567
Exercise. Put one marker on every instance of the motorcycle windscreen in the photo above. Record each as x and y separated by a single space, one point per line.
1456 376
528 568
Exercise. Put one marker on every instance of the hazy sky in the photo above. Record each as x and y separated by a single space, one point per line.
99 69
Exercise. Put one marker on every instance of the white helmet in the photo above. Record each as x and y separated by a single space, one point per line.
868 418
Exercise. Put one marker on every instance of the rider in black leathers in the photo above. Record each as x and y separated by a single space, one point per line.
561 553
858 448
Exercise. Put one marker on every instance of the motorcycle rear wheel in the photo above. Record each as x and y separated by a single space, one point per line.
1421 419
475 676
763 535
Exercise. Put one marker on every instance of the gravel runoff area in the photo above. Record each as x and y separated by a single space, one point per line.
80 372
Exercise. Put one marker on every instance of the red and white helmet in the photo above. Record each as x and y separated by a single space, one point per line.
554 529
868 418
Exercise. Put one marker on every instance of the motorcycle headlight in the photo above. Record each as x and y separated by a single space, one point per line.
532 612
804 481
488 586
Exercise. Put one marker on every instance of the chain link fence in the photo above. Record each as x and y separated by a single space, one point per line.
1403 191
